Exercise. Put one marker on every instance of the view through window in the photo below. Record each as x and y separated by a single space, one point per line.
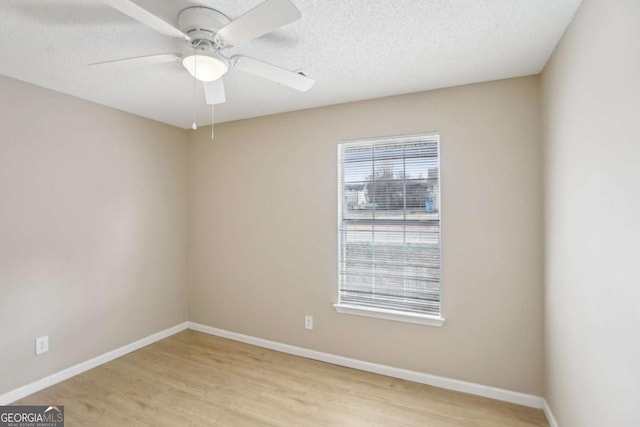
389 224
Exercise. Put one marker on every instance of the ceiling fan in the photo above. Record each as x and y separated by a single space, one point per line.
207 33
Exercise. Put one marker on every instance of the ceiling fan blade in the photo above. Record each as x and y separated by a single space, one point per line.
142 15
264 18
214 92
271 72
140 60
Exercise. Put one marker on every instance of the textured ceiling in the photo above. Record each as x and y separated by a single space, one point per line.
355 49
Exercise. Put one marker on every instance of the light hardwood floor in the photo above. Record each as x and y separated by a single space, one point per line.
196 379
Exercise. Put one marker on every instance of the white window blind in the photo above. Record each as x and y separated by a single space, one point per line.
389 224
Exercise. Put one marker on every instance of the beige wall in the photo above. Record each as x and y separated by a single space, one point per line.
92 230
592 132
262 232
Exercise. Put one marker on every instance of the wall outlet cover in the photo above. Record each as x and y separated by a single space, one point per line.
308 322
42 344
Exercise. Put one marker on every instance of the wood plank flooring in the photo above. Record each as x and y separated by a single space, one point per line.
194 379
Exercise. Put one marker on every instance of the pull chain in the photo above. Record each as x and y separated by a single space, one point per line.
212 123
194 126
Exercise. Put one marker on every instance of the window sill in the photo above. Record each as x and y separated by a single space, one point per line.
398 316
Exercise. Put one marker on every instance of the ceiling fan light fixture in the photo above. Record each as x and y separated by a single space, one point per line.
206 66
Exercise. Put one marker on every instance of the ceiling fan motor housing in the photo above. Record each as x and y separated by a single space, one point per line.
201 23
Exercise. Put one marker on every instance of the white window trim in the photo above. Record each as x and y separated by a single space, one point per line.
399 316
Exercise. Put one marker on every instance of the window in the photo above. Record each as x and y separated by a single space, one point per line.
389 228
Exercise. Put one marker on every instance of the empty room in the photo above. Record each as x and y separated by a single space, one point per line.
320 213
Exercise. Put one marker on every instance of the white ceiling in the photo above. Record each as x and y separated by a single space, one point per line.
355 49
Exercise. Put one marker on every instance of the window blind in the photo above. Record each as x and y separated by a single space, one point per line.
389 224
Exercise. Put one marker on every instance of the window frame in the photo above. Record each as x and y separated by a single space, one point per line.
377 312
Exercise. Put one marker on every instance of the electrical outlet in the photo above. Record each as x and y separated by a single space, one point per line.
308 322
42 345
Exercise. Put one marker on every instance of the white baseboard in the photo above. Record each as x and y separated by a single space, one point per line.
547 412
59 376
390 371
